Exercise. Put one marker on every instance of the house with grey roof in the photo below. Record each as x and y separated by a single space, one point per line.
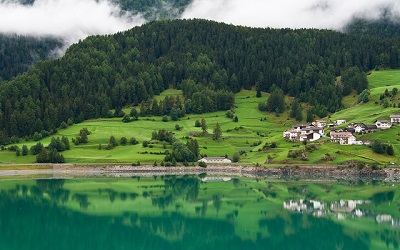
383 124
395 119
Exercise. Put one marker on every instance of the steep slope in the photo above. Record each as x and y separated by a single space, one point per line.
200 57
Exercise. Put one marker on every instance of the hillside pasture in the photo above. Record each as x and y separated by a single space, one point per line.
252 135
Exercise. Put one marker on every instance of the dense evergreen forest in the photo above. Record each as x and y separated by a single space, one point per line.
19 53
154 9
207 60
386 27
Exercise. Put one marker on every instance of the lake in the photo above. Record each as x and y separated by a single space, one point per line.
198 212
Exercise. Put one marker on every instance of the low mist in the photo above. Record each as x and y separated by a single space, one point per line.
69 20
323 14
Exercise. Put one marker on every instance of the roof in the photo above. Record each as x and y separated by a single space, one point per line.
291 131
382 121
341 133
355 124
312 128
360 125
394 116
214 158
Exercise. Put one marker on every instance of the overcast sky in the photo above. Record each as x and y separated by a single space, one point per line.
330 14
76 19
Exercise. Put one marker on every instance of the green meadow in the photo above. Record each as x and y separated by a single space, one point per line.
253 130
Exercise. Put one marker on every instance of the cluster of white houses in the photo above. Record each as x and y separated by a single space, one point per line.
345 136
304 132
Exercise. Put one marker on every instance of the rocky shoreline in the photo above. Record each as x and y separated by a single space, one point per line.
286 172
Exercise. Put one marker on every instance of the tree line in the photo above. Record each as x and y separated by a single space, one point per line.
208 61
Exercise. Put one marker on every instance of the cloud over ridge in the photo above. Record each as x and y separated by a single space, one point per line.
324 14
70 20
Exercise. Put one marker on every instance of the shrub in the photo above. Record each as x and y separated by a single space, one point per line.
229 114
177 127
236 157
126 118
13 148
37 136
24 150
133 141
63 125
51 156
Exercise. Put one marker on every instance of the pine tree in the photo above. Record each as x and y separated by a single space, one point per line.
24 150
204 126
217 132
310 117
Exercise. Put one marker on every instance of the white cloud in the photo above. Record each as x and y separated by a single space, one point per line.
70 20
331 14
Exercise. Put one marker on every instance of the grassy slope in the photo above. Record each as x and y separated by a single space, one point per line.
243 135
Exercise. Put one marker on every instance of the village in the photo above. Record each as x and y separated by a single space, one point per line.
343 135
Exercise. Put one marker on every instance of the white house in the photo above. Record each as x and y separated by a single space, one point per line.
344 138
353 141
395 119
292 135
383 124
358 127
311 129
311 136
319 123
299 127
339 122
303 132
215 160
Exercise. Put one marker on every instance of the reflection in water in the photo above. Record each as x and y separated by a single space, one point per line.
344 207
184 212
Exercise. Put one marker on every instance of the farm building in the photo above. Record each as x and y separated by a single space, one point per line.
395 119
215 160
383 124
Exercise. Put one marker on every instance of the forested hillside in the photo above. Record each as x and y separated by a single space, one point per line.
154 9
385 27
207 60
19 53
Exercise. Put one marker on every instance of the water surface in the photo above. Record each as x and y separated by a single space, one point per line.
198 212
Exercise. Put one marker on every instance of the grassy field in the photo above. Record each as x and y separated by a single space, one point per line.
253 130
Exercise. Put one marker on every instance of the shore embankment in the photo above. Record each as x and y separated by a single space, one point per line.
325 172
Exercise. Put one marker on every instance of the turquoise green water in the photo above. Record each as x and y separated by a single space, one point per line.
192 212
